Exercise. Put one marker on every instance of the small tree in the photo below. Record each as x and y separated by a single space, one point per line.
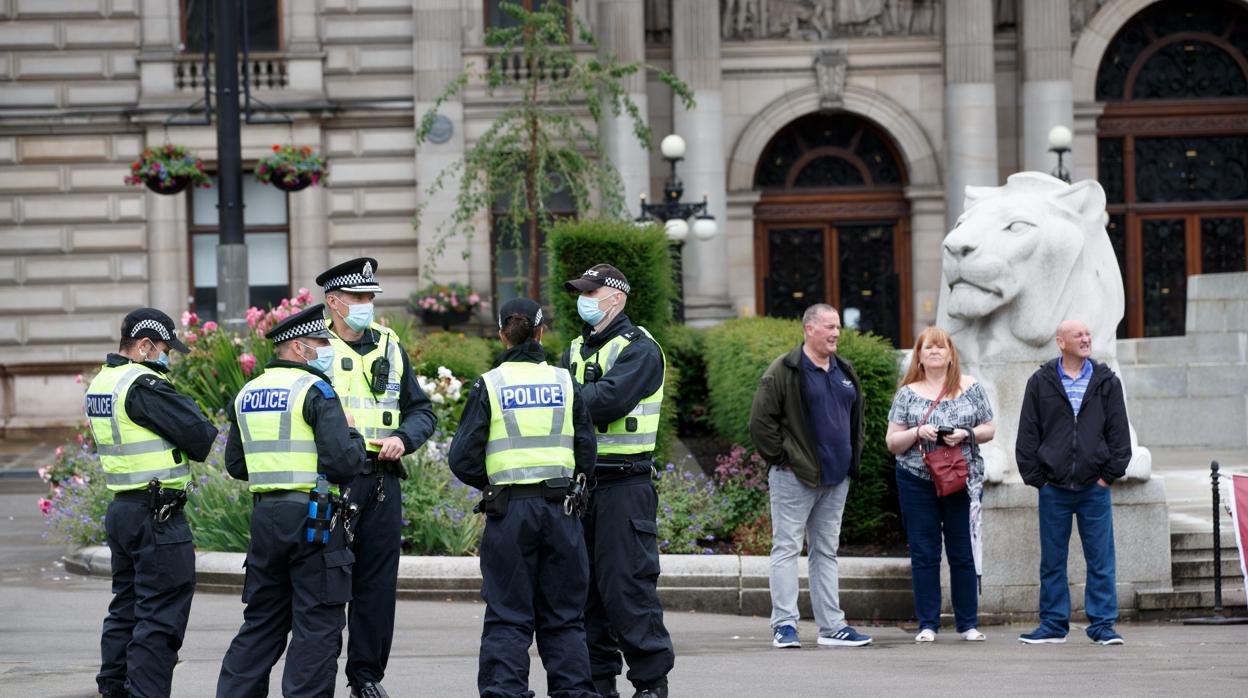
540 144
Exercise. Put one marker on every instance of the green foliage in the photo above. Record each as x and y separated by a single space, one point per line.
76 509
291 164
738 353
741 477
685 348
466 356
445 298
437 508
219 511
539 146
641 254
163 164
690 511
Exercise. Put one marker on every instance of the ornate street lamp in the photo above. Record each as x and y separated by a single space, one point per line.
1060 139
675 215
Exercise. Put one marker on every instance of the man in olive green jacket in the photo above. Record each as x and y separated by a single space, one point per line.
807 424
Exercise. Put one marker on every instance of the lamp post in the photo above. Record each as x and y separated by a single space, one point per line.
1060 139
675 214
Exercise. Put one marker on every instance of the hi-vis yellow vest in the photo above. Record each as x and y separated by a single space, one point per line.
131 455
279 445
637 431
531 433
376 415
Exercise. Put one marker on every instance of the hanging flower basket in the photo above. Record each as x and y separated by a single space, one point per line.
291 168
168 169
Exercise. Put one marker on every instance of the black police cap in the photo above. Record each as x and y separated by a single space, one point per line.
599 275
526 308
152 324
354 276
309 322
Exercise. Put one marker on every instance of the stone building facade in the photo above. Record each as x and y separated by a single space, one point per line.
832 139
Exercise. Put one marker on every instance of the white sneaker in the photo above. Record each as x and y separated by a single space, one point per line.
925 635
973 635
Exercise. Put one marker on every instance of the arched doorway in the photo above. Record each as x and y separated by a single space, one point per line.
832 224
1172 153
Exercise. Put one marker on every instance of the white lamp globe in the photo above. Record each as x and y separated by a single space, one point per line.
1060 138
672 147
704 227
677 230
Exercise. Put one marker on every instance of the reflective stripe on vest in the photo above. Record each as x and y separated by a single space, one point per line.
617 438
278 444
130 455
376 415
531 436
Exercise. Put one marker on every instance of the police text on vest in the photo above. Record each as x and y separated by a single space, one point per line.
266 400
515 397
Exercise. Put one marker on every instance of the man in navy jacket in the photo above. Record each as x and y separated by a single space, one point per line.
1073 443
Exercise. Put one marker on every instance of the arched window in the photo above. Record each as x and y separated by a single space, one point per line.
1173 153
832 225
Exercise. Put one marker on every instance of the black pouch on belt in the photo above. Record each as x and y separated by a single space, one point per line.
493 501
556 489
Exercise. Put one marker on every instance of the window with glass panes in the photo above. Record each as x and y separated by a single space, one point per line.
266 231
263 20
511 249
498 18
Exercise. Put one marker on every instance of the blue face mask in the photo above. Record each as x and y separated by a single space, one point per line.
163 359
360 316
589 311
324 360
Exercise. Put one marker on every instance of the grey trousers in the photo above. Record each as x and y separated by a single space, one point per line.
797 509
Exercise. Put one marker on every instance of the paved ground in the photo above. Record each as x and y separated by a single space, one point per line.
50 620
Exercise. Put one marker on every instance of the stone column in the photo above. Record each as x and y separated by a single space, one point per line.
970 100
695 59
438 41
1047 94
621 33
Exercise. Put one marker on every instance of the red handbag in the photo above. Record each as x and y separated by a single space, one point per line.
946 463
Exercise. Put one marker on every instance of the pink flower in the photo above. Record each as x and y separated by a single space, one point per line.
78 379
190 337
247 362
45 506
253 316
210 326
189 318
43 473
80 438
474 299
59 451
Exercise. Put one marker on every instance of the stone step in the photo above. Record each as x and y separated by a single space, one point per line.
1193 599
1203 569
1189 540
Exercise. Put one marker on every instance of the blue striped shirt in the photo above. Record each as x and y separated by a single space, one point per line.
1077 386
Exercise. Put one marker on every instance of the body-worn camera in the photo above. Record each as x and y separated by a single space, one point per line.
381 375
592 372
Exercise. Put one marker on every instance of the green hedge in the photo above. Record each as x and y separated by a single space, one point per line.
739 351
640 253
686 355
467 356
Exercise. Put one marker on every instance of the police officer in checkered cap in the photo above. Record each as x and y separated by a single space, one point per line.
374 376
289 435
523 436
620 369
146 434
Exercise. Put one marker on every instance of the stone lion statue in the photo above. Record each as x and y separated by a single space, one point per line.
1022 258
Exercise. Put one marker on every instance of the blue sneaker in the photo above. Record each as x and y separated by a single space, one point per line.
1108 637
1043 636
786 636
845 637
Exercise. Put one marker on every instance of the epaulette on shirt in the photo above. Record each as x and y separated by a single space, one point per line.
326 389
148 381
632 334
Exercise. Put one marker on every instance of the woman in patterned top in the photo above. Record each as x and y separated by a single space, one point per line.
962 405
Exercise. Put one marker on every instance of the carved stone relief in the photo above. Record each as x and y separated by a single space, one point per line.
830 68
824 19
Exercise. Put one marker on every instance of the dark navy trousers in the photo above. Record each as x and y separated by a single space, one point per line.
928 519
153 583
535 575
623 614
292 587
370 616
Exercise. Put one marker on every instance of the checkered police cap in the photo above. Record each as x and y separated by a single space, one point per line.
355 276
597 276
309 322
152 324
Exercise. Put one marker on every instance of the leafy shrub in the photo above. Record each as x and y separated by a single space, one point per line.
685 349
76 509
690 511
753 537
641 254
738 353
437 508
467 357
219 510
741 477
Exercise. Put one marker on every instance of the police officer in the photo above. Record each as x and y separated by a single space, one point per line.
620 368
146 435
523 438
289 437
374 378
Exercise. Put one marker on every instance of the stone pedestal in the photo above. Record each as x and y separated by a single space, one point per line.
1011 581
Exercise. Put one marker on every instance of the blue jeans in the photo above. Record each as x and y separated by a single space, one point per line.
1092 507
926 517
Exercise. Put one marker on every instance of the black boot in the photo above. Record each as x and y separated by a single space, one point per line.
652 692
369 689
606 687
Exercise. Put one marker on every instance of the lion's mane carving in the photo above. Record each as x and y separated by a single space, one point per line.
1022 258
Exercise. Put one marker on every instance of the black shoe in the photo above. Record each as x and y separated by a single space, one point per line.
606 688
369 690
654 692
